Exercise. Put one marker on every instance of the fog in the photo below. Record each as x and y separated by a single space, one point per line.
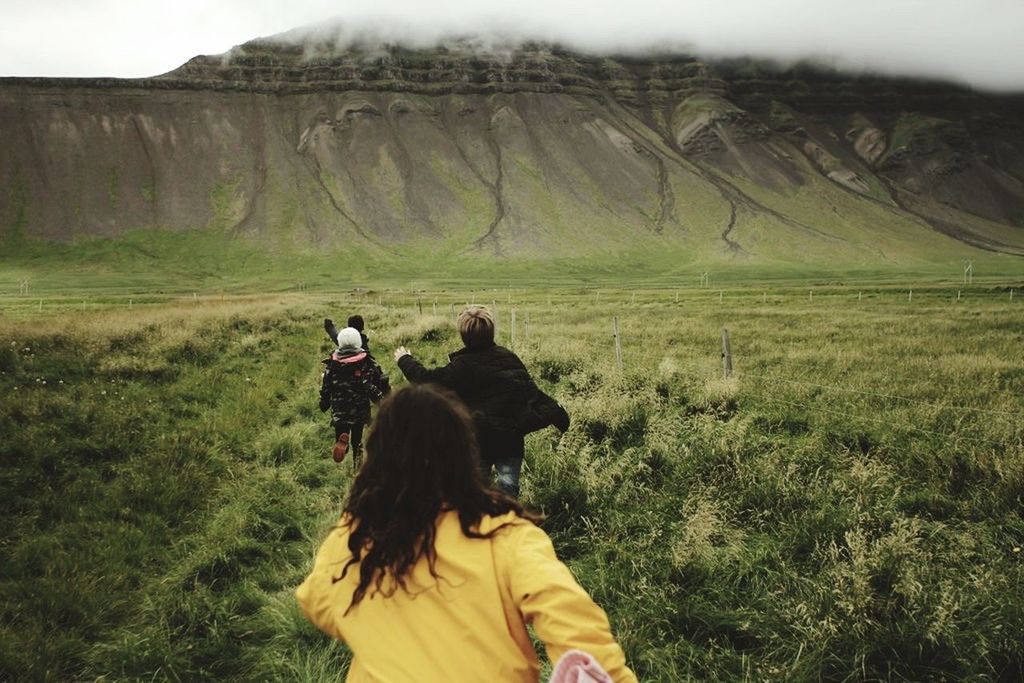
977 42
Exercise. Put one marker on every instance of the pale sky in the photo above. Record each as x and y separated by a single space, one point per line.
979 42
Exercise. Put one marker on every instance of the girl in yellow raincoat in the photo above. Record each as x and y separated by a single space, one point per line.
431 576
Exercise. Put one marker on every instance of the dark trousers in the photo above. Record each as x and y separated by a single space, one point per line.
355 431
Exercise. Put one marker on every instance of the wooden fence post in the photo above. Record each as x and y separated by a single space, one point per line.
958 295
910 295
618 343
726 354
513 333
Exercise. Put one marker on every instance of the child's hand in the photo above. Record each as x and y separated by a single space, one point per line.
401 351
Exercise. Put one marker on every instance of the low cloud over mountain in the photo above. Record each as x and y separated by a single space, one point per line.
976 43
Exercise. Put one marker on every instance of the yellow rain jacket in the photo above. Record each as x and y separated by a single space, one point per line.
470 625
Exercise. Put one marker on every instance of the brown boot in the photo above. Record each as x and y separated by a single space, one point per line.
341 447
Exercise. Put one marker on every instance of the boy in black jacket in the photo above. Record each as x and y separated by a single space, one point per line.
505 402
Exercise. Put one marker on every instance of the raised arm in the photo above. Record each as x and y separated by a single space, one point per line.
563 615
331 330
452 376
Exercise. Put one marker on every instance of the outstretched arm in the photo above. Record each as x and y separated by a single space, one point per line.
563 615
450 376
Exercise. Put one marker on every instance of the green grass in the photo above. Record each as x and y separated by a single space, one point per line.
158 495
908 128
843 507
206 263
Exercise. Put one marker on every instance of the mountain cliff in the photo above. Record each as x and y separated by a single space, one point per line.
529 152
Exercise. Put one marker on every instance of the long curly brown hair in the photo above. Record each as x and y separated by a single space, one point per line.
422 459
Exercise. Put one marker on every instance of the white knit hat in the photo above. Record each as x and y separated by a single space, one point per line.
349 338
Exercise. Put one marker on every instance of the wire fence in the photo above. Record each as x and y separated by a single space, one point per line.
1008 418
23 293
505 301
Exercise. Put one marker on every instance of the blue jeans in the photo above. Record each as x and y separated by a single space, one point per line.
506 475
504 452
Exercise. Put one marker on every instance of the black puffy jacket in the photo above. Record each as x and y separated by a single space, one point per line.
496 387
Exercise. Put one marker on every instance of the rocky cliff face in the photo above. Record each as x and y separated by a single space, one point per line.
534 152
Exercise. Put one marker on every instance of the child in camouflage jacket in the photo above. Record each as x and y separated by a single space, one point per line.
351 380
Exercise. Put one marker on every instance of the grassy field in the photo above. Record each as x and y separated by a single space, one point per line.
205 263
847 506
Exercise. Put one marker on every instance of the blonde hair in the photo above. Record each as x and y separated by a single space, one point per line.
476 326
